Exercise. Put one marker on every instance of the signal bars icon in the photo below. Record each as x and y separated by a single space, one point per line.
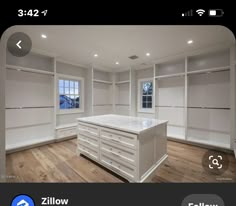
188 13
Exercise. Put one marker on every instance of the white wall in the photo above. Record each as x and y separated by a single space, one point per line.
32 60
2 109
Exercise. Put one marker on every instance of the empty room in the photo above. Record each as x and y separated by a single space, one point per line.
119 104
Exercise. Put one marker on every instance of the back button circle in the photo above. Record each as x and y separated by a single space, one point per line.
19 44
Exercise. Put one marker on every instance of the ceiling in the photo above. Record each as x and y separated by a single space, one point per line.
78 44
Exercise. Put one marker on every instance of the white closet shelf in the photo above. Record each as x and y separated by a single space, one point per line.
66 126
29 143
34 107
215 69
170 75
123 82
19 68
210 143
175 136
102 81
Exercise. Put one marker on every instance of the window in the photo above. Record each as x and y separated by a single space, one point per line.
145 95
69 94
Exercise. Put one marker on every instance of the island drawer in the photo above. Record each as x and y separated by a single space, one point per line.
118 152
85 140
118 137
88 129
125 170
88 151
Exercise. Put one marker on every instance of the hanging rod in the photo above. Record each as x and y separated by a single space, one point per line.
29 107
208 71
224 108
29 70
170 106
102 105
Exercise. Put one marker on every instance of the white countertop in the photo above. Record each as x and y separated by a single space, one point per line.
126 123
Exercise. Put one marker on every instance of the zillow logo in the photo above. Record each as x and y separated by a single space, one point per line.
22 200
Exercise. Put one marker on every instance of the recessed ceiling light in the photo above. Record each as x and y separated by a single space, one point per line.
117 63
190 41
43 36
95 55
148 54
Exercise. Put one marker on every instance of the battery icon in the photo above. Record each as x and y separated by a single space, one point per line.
216 12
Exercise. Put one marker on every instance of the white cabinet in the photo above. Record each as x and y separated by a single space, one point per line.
134 155
65 131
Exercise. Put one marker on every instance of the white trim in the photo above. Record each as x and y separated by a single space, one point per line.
123 82
19 68
60 60
55 95
233 97
92 91
130 90
170 75
185 99
82 91
152 171
140 109
209 70
66 126
102 81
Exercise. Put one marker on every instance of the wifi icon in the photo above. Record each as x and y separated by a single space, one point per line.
200 12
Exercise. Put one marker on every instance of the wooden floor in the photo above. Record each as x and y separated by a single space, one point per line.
58 162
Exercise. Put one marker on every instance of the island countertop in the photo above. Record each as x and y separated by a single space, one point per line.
130 124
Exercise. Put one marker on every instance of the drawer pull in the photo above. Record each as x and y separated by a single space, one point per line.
117 168
88 142
118 141
87 131
115 140
118 155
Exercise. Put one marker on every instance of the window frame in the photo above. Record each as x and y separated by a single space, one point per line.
81 94
140 99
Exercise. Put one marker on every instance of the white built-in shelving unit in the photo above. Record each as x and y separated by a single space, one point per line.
208 99
29 100
170 96
194 92
122 93
102 92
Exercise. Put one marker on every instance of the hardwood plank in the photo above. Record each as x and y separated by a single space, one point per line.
58 162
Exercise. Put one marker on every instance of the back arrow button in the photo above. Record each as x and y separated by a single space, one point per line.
18 44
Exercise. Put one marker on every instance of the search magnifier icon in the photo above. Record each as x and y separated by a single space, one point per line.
215 162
